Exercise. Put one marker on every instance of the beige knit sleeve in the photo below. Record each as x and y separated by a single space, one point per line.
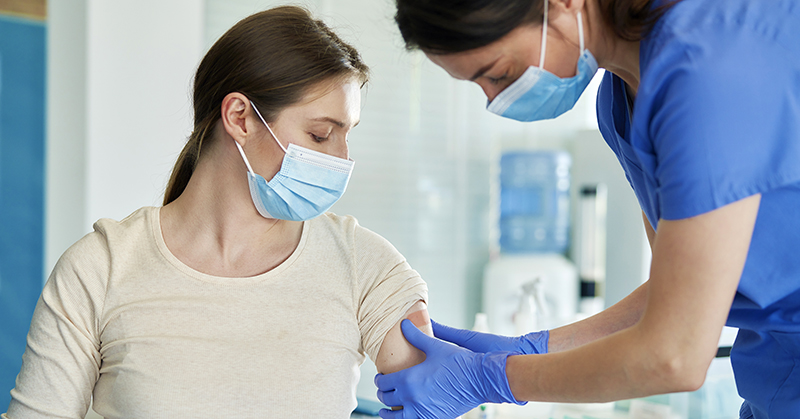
388 288
62 359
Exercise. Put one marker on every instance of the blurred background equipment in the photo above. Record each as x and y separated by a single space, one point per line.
591 247
530 284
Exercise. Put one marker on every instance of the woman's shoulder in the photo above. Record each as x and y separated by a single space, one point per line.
82 272
138 221
109 235
335 222
341 225
347 230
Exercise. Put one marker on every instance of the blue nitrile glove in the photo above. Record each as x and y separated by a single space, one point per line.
532 343
451 381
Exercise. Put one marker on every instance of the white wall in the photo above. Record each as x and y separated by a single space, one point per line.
65 189
119 110
141 56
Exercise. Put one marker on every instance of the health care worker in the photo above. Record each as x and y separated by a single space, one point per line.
701 104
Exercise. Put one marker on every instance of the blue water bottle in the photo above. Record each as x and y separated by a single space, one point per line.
534 201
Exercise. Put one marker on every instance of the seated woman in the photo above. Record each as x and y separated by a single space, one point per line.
239 297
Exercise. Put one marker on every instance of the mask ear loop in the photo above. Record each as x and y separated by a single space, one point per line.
246 162
544 36
241 151
267 125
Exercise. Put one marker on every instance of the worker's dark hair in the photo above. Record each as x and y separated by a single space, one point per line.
448 26
273 58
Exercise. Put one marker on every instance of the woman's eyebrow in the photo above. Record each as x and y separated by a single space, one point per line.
336 122
484 69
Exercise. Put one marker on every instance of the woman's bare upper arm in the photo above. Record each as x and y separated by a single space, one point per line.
396 353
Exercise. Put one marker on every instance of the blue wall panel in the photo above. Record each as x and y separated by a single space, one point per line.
22 145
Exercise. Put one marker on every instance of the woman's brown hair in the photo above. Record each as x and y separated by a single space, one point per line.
449 26
273 57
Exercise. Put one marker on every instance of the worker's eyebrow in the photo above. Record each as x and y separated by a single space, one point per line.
484 69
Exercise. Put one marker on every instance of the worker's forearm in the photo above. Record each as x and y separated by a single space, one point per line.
620 316
621 366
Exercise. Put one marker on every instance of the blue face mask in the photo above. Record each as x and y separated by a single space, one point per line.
307 185
539 94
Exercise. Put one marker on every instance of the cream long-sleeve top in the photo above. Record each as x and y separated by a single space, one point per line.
123 320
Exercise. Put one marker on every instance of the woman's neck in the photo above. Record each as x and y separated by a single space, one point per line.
613 53
625 63
213 226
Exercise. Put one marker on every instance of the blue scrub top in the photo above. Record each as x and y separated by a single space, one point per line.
717 119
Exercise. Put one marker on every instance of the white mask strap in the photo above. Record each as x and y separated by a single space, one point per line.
544 35
246 162
267 125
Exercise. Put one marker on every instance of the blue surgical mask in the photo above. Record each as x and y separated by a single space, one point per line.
308 184
539 94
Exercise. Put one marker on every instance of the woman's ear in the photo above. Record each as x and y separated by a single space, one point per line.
234 109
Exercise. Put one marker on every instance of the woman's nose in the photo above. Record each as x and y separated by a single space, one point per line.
490 90
343 151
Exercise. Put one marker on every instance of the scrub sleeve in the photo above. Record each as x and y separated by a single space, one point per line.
717 119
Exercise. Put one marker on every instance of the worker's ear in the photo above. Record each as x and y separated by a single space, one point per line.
562 18
560 6
235 108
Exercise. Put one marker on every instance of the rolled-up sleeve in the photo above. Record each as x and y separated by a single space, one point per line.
388 287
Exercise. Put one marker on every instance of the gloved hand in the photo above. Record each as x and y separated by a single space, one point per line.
450 382
532 343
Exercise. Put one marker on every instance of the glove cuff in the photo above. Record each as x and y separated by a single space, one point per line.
535 343
495 381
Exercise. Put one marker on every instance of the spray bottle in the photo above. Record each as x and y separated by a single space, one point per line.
532 313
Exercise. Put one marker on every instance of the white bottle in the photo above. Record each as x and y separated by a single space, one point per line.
484 411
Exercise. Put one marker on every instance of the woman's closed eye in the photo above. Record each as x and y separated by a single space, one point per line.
497 80
318 138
